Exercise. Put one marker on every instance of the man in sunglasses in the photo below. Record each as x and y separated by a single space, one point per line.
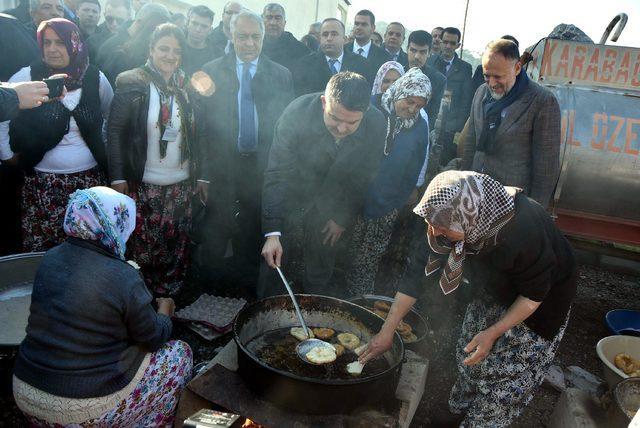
116 14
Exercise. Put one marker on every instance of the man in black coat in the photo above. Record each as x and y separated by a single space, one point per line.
364 24
117 14
239 126
393 40
220 37
130 47
459 84
312 72
419 48
279 45
199 51
326 150
17 48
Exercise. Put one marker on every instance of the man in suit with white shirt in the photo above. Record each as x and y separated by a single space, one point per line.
312 72
364 24
251 93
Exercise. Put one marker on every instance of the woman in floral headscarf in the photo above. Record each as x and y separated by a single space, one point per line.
155 158
523 274
406 147
388 73
59 144
96 352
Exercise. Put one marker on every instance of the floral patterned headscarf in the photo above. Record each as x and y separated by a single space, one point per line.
382 72
101 214
414 83
466 202
77 50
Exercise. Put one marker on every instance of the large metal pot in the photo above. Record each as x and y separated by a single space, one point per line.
305 394
17 273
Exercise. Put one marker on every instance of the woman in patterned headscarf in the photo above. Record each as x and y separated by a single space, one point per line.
96 352
59 145
388 73
522 272
405 150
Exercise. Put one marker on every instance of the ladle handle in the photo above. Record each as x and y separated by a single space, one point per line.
295 302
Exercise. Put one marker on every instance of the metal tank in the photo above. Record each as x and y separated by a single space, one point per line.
598 88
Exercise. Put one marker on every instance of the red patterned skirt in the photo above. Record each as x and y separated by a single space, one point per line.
44 202
160 243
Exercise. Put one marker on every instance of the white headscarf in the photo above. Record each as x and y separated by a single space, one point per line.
414 83
382 72
101 214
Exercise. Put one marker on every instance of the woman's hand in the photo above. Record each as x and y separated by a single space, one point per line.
121 187
166 306
480 345
379 344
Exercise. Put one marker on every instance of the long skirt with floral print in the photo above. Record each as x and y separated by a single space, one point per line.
154 400
160 243
44 201
494 392
369 242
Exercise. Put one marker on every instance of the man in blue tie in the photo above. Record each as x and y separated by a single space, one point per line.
251 92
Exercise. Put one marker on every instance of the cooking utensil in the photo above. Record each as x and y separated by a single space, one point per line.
308 344
303 392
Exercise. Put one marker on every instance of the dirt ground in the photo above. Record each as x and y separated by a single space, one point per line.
598 292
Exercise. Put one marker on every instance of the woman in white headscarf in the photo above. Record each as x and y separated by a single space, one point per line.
523 275
96 352
406 147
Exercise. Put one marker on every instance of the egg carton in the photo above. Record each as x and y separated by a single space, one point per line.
214 311
209 333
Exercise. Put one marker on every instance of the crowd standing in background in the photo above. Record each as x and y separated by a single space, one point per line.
237 148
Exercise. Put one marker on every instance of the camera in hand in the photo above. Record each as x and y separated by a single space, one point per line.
55 85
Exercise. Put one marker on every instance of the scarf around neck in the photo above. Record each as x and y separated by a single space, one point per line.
493 112
466 202
170 92
76 49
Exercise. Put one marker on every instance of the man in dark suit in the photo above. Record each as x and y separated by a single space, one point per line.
220 37
364 24
312 72
251 93
393 40
418 50
326 150
117 14
280 45
460 87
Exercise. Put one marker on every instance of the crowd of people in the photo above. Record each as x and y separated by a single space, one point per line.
237 149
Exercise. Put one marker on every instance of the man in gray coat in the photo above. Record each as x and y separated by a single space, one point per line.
514 127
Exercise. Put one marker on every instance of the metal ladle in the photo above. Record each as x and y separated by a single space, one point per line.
306 345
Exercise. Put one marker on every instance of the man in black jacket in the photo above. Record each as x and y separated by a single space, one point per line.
199 50
364 24
312 72
17 48
279 45
393 40
220 37
117 14
419 48
252 91
326 150
459 84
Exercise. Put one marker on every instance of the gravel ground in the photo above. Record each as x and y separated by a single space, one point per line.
598 292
